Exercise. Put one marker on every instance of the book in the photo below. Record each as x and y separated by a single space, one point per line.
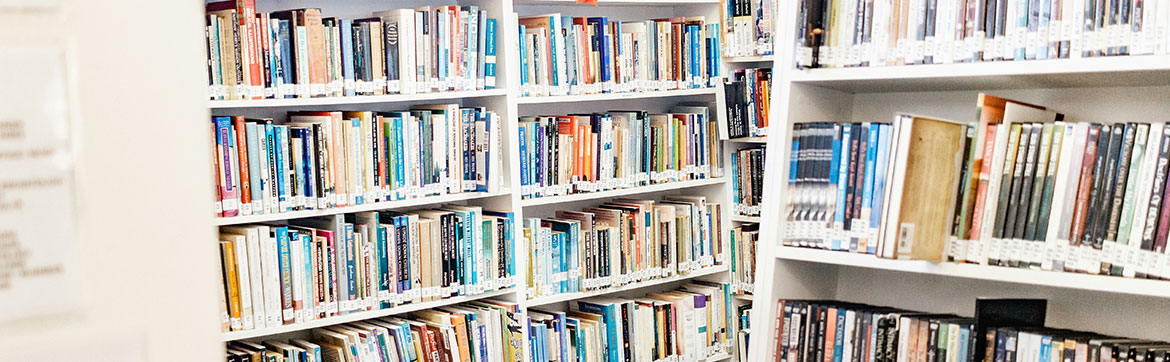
300 53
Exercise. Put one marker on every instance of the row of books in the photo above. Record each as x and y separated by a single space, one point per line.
743 336
320 160
299 53
834 331
837 178
688 324
620 149
1052 195
474 331
749 25
562 55
621 242
745 240
317 268
850 33
748 97
747 180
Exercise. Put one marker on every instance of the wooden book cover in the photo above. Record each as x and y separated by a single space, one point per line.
926 171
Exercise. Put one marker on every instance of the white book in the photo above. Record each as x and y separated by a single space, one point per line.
991 196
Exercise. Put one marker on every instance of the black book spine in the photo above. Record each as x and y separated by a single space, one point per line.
802 334
851 178
1109 181
1121 179
1009 346
1095 194
1017 177
390 33
1151 226
932 347
859 182
1027 183
501 249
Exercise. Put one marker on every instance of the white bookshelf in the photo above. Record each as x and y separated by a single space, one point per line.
506 101
1109 89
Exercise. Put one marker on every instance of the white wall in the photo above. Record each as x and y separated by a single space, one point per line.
145 240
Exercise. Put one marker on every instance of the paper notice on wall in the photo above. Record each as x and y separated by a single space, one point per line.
37 237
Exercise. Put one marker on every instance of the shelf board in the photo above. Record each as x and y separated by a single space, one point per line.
1099 283
353 317
618 2
621 192
615 96
330 101
745 218
719 357
565 297
385 205
1128 71
763 139
744 297
750 59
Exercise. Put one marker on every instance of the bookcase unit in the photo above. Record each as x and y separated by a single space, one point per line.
1109 89
507 102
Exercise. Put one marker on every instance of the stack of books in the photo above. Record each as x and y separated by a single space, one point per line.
749 25
318 268
621 149
299 53
481 330
320 160
748 98
562 55
853 33
689 324
622 242
747 180
744 242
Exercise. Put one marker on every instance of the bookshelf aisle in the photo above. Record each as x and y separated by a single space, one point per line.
528 212
1090 93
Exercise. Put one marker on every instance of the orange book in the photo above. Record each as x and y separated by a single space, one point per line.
242 150
830 333
228 257
316 38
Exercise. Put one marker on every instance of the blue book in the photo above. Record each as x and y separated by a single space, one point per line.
538 169
223 137
608 313
554 42
284 39
346 26
964 337
400 244
696 61
1045 348
558 260
839 341
284 252
270 162
309 169
559 322
443 51
835 177
867 188
489 51
399 152
1022 23
255 166
483 127
566 236
524 158
298 168
879 187
735 179
282 181
383 260
307 264
843 183
600 28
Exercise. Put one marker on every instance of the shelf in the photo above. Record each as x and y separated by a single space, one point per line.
565 297
1128 71
749 139
353 317
385 205
744 218
1099 283
719 357
750 59
615 96
330 101
743 297
622 192
618 2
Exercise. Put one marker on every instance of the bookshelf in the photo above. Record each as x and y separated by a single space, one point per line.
506 100
1106 89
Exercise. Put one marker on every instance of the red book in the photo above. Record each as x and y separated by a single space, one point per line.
1081 210
242 151
984 172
